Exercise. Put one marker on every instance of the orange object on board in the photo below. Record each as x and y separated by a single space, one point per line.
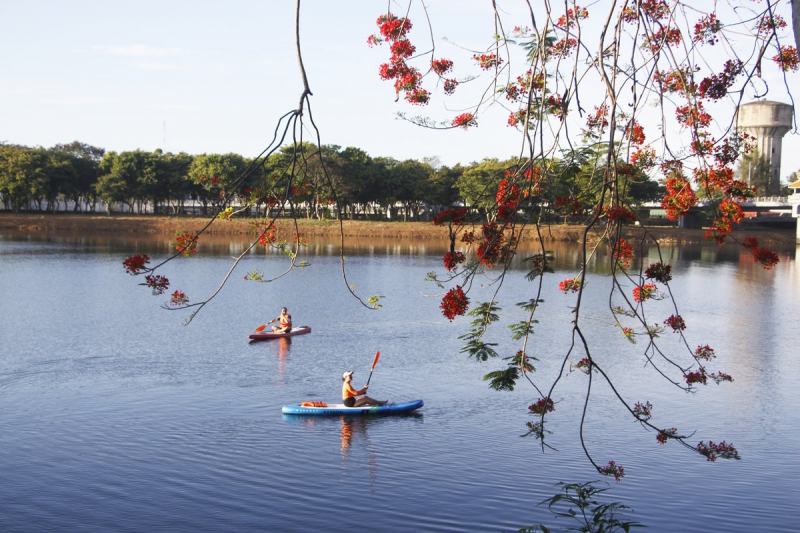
313 403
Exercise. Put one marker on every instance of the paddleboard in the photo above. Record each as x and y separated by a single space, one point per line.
265 336
336 409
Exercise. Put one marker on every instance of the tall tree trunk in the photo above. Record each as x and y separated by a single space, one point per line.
796 22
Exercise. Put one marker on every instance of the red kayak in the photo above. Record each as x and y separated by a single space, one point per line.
302 330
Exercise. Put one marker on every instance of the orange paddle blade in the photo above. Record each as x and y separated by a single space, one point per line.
261 328
375 361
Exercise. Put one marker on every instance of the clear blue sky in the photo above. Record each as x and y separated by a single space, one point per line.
202 76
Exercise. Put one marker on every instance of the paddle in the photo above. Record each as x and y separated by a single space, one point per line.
262 327
374 363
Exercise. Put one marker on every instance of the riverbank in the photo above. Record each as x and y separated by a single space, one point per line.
163 226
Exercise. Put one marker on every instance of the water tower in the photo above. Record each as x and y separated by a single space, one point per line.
768 122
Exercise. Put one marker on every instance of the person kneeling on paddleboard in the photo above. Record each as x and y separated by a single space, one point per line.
351 395
284 321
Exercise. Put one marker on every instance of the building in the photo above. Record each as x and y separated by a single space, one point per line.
794 199
768 122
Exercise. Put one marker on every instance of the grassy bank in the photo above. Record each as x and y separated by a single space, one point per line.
33 224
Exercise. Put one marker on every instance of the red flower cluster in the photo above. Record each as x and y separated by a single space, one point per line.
156 282
643 411
267 237
693 115
787 59
135 263
452 259
179 298
644 158
712 450
705 30
507 199
450 86
716 86
186 243
679 197
696 377
619 213
628 333
665 434
465 120
570 18
569 285
441 66
704 352
674 81
487 61
612 469
770 23
564 47
491 247
644 292
455 215
635 132
599 119
584 364
454 303
623 253
661 38
542 406
568 204
676 322
767 258
407 79
729 213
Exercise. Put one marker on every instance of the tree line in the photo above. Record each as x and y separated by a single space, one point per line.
78 177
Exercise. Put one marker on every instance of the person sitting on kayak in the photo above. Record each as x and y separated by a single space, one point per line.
284 321
351 395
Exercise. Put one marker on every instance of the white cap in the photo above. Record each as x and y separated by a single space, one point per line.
348 373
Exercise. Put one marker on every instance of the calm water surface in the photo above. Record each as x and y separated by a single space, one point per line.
115 416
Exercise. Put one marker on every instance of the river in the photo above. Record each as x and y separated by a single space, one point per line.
116 416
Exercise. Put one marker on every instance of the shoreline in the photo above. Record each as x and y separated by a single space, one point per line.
166 226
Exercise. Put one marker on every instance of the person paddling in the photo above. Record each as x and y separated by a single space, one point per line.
350 395
284 321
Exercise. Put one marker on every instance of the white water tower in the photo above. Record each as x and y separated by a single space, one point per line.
768 122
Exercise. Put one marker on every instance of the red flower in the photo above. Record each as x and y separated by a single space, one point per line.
465 120
665 434
643 411
623 253
712 450
450 86
418 96
402 49
787 59
542 406
487 61
452 259
454 303
178 298
453 214
569 285
696 377
186 243
135 263
705 352
705 30
767 258
644 292
636 133
392 27
441 66
156 282
675 322
612 469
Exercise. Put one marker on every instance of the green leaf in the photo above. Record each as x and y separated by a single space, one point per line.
521 329
482 351
503 379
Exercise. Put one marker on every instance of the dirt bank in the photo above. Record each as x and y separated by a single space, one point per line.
157 226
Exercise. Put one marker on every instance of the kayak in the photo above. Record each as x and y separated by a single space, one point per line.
302 330
336 409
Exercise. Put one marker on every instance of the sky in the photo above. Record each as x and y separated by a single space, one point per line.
201 76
